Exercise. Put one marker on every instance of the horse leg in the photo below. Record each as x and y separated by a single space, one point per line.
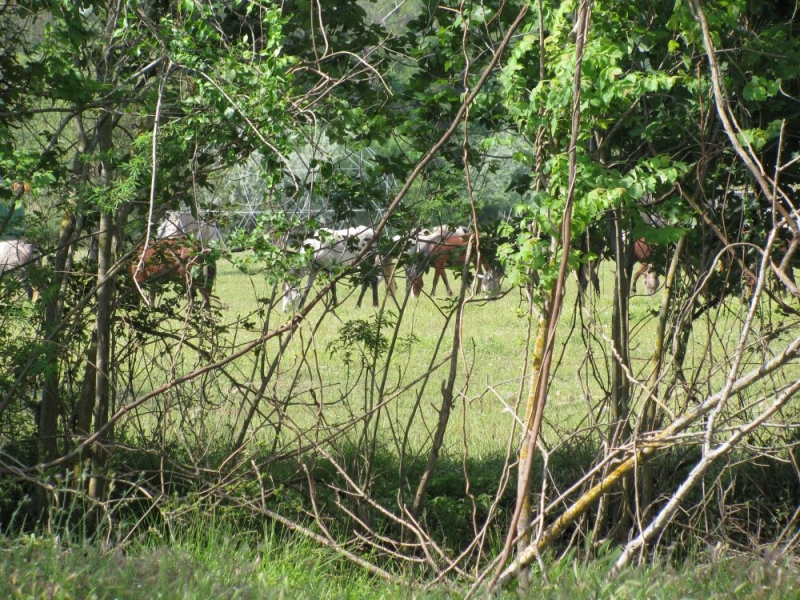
436 276
205 288
374 286
309 282
587 274
413 282
208 284
30 291
334 301
364 285
594 276
190 288
446 282
388 266
641 271
289 297
651 282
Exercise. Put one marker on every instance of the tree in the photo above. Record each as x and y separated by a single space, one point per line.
645 78
136 106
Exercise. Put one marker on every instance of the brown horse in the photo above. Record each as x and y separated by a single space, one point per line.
171 259
18 188
451 252
641 252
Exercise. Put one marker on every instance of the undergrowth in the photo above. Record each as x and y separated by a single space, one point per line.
210 559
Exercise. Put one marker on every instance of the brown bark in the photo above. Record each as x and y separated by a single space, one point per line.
650 415
538 397
105 296
620 429
50 408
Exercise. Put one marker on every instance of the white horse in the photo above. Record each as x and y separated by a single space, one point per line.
15 254
331 249
181 223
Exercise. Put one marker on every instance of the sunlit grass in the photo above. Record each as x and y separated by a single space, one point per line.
322 390
207 559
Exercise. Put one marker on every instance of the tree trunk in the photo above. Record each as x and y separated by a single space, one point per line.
650 413
620 429
523 480
447 398
105 295
85 407
50 408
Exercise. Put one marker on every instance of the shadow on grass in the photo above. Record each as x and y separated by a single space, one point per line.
744 502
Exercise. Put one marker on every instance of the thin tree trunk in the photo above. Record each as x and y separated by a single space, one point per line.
538 397
97 485
523 482
649 410
85 409
620 430
50 408
105 295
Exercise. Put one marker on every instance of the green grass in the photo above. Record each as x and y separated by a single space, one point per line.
212 560
491 366
314 391
214 565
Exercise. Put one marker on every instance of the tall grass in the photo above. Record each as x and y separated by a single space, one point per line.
206 558
215 559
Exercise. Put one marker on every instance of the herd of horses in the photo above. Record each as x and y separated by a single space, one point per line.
182 251
440 248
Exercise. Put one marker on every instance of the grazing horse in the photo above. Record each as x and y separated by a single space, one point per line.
450 251
16 254
371 276
414 245
171 259
332 249
438 235
641 252
181 223
18 188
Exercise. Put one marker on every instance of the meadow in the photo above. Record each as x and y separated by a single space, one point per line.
374 377
495 336
361 390
329 355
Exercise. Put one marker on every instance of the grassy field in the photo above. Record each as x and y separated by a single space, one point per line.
492 363
323 383
326 376
493 357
